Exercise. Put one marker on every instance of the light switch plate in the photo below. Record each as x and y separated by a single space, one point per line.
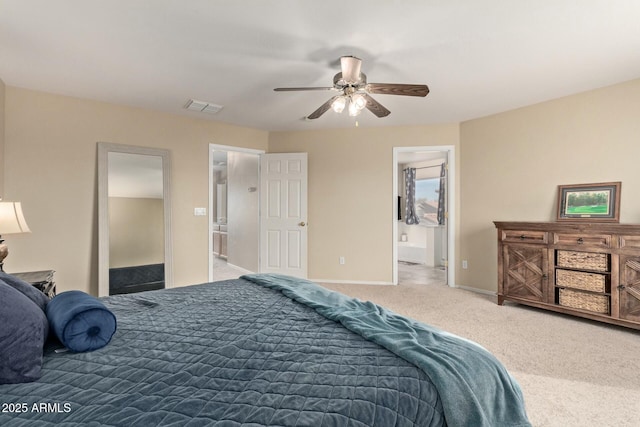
200 211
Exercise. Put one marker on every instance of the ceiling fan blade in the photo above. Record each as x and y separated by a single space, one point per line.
350 68
291 89
398 89
375 107
323 109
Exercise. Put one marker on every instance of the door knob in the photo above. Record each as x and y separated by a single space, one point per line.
302 224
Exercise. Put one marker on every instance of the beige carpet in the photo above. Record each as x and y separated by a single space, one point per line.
573 372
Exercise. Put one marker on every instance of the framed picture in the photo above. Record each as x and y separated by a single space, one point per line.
589 202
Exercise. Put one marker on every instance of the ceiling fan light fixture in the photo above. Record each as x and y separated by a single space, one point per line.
338 104
359 101
353 109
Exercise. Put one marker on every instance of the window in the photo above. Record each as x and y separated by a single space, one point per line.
427 200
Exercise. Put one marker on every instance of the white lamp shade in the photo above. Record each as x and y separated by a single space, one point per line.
12 219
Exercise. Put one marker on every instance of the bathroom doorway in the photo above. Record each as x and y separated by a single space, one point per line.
234 211
423 244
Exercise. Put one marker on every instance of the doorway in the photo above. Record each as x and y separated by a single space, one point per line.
423 251
234 211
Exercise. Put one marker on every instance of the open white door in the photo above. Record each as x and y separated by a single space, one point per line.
283 214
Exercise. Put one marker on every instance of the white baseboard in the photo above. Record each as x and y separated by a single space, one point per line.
476 290
379 283
352 282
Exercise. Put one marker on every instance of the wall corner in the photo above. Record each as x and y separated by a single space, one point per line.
2 114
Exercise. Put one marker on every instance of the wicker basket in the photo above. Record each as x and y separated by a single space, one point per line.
583 260
584 301
580 280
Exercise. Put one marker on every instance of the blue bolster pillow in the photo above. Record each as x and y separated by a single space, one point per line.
81 322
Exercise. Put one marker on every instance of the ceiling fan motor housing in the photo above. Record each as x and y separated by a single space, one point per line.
351 69
341 84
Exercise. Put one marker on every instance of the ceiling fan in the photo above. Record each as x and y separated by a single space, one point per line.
355 91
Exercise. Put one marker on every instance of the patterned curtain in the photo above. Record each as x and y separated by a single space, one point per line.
410 191
441 194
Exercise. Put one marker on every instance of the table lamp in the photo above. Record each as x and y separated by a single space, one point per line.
11 222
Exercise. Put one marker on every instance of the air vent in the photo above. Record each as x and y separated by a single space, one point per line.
203 106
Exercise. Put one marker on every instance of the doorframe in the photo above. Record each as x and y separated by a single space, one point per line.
218 147
451 205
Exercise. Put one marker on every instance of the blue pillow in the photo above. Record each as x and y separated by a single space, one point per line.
27 289
23 333
81 322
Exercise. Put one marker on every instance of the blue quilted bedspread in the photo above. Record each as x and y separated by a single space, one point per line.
228 353
476 390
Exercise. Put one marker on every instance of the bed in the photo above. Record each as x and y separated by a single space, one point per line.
138 278
266 350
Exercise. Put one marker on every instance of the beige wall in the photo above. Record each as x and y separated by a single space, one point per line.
512 163
2 97
135 231
50 149
508 168
351 195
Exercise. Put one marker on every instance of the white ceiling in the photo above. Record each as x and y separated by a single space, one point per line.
478 57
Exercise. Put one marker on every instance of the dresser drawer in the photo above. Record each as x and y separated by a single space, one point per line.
584 301
526 236
583 260
631 242
598 240
582 280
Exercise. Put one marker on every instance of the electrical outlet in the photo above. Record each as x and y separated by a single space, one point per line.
465 264
341 260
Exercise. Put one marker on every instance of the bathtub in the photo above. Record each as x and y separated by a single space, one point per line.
412 252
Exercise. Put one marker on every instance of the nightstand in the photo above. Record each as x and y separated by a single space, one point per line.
41 280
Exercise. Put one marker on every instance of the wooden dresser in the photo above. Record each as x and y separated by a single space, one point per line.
590 270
